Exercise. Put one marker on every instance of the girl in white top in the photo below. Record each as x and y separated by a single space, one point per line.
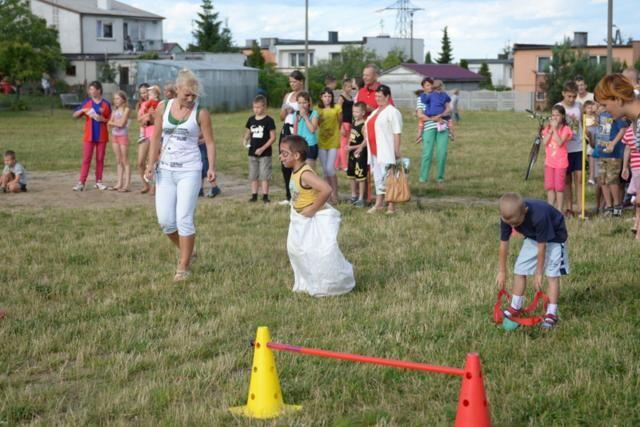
288 114
383 130
178 166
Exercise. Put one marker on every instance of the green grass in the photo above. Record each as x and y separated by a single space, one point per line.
97 334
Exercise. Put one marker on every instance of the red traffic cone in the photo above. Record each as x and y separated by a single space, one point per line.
473 409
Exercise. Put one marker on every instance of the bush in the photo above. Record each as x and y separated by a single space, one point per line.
274 83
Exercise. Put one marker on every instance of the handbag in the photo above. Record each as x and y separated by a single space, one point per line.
397 185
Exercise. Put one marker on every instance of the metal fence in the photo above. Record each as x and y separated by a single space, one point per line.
496 101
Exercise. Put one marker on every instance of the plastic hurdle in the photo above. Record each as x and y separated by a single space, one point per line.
265 400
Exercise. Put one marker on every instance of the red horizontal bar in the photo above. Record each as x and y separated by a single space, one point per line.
366 359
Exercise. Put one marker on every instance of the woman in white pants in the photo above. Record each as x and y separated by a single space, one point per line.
178 166
383 130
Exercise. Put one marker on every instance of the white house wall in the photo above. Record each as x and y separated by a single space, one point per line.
500 73
68 25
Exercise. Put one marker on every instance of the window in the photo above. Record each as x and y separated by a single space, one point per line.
593 60
543 64
296 59
540 96
71 70
104 30
335 56
603 59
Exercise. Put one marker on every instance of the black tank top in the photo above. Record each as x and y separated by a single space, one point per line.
347 110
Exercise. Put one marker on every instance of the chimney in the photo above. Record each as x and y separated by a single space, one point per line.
333 37
579 39
104 4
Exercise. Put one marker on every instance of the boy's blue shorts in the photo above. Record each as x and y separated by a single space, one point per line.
556 261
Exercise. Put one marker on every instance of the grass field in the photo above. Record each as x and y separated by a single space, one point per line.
97 334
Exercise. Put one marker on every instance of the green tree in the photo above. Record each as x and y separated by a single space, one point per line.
446 53
274 83
394 57
210 35
566 63
255 59
464 64
27 46
637 65
484 71
427 58
350 64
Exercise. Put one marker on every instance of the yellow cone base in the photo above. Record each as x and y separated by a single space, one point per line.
247 412
265 397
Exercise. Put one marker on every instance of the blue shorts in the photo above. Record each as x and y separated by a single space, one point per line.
312 152
575 162
556 261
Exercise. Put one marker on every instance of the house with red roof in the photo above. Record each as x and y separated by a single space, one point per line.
404 80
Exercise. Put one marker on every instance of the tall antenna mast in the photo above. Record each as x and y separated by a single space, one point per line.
404 20
404 16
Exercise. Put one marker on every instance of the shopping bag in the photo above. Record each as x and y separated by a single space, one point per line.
397 185
319 267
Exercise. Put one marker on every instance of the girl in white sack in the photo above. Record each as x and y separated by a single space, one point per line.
319 267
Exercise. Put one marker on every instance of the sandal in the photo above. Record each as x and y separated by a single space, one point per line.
181 276
374 210
123 190
549 321
193 258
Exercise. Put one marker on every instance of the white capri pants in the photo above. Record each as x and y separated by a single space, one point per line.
176 198
328 161
379 171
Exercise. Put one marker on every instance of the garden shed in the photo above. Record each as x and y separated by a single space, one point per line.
227 85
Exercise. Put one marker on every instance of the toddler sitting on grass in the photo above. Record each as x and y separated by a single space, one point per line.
14 176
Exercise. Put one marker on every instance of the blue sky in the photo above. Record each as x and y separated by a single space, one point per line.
478 28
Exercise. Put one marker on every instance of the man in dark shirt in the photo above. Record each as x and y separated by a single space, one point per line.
543 250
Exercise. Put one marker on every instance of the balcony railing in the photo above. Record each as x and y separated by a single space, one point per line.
137 46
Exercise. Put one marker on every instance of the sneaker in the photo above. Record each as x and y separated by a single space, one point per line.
549 321
201 193
78 187
284 202
353 200
511 312
607 212
591 182
266 200
617 211
254 198
100 186
213 192
359 204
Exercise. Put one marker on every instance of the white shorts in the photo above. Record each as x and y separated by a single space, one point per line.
556 261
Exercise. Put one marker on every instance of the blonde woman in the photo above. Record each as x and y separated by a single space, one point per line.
178 166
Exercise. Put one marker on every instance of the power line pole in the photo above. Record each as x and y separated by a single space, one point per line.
306 45
609 36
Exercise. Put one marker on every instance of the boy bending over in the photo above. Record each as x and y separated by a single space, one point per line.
543 251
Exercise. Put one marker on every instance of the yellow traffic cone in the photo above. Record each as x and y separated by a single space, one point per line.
265 397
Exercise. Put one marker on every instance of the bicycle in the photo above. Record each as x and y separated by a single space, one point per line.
537 142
